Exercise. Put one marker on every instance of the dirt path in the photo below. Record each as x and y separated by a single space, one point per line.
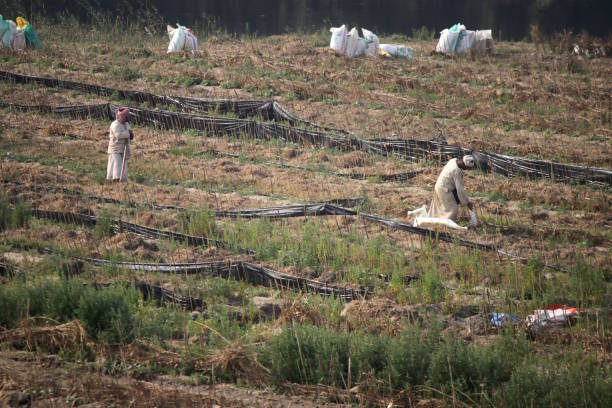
28 379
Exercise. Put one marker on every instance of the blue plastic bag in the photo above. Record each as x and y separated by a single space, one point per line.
498 319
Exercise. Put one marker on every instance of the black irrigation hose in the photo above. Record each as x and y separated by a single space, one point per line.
280 212
9 270
270 212
242 108
299 210
244 271
167 296
288 211
412 150
141 230
236 269
149 291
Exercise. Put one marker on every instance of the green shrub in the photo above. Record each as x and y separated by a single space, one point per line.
107 314
469 369
369 356
226 325
310 354
126 74
21 215
566 383
409 358
160 323
587 284
201 223
5 213
54 299
105 225
12 304
62 298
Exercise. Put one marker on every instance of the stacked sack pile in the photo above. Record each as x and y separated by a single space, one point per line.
351 45
16 36
459 40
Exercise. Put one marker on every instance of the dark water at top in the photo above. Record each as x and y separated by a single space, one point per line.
510 18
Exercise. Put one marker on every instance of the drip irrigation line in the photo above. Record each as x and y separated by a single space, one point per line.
321 209
411 150
288 211
9 270
243 271
270 212
167 296
141 230
149 291
242 108
227 268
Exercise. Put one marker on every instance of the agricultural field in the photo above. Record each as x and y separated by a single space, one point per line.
102 309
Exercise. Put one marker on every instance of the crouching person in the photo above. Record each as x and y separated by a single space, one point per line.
119 136
449 191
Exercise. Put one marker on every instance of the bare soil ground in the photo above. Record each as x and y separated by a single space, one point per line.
48 381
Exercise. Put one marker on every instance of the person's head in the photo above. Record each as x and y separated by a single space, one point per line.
466 162
122 115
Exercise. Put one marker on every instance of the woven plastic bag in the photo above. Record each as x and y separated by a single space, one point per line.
395 50
355 45
177 38
338 39
372 43
191 41
449 38
31 37
7 31
421 217
19 40
181 39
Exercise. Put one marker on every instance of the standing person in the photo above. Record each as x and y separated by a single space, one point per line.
119 136
449 191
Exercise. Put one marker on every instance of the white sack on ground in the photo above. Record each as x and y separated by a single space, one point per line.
483 42
372 43
439 221
181 39
466 42
338 39
395 50
449 38
421 218
355 45
19 40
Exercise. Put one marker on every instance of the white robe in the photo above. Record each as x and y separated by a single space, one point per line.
444 204
118 144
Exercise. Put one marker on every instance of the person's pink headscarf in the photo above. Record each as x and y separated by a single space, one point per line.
122 115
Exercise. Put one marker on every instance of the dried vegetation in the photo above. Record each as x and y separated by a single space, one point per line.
426 340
